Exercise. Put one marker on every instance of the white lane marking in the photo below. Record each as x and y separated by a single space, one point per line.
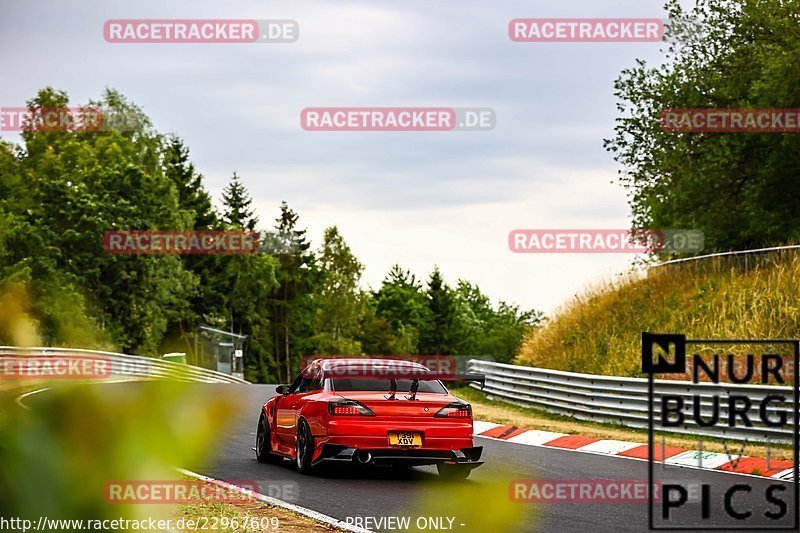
535 437
610 447
314 515
479 426
710 460
31 393
784 475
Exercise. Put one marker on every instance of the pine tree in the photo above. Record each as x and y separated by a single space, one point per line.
295 283
237 201
192 196
438 335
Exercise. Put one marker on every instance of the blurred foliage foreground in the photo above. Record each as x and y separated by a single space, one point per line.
57 456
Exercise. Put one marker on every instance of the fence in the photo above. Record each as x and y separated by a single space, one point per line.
132 366
624 401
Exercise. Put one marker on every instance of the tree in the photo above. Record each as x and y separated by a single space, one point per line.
339 302
740 189
192 196
208 301
237 201
251 279
401 301
506 330
292 319
77 185
375 333
438 335
482 330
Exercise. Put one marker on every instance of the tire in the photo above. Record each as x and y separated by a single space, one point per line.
263 443
453 472
304 449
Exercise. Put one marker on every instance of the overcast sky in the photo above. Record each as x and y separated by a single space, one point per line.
414 198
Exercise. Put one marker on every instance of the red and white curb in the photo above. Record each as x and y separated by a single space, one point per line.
733 464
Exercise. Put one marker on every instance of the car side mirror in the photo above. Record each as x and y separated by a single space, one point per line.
282 389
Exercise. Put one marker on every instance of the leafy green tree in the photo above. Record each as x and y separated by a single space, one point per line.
77 185
402 302
251 281
506 330
740 189
375 333
483 330
339 301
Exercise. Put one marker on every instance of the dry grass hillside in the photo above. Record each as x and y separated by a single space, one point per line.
599 332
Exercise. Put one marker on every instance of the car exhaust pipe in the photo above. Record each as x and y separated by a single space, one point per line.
364 457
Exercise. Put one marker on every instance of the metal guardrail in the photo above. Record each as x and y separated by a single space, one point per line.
624 401
724 254
133 366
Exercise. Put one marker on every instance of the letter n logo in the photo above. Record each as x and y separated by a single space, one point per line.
663 353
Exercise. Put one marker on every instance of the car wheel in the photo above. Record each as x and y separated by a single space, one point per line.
304 449
453 472
263 443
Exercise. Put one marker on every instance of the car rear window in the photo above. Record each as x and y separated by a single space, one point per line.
384 385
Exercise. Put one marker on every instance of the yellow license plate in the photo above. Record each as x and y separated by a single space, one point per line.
405 438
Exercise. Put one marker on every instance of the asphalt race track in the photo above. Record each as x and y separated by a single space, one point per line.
345 493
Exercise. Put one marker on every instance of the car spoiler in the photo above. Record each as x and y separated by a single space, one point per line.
462 376
414 375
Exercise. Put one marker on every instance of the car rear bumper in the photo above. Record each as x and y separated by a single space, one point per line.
469 456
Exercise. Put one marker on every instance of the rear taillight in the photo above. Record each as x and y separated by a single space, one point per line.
455 410
349 408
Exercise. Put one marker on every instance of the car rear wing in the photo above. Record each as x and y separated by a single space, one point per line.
462 376
407 373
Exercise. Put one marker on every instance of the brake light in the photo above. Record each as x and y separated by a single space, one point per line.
349 408
455 410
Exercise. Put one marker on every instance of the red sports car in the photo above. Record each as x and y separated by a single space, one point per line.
369 411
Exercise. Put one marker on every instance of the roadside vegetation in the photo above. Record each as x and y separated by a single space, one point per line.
60 191
599 332
740 189
245 516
